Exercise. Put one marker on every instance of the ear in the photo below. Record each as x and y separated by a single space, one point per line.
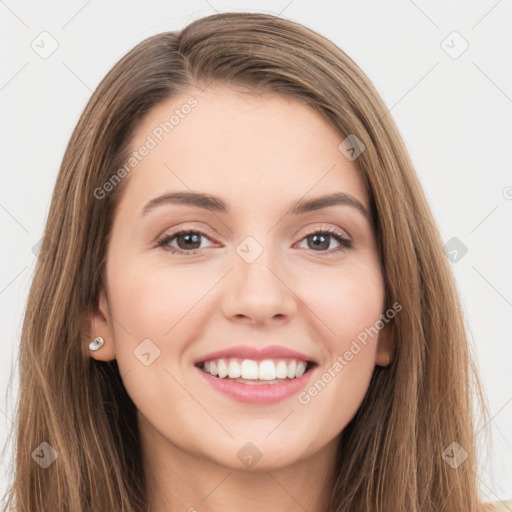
385 347
100 324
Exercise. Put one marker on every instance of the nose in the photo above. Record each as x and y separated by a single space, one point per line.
259 292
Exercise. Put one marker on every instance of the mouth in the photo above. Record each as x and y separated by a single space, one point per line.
256 372
256 375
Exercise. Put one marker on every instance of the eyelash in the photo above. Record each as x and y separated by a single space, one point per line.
345 243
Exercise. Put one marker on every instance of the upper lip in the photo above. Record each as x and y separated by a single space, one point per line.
255 353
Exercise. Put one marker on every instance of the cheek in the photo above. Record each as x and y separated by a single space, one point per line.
156 304
159 303
347 301
349 311
152 300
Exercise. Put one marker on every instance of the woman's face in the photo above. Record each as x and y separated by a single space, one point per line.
253 274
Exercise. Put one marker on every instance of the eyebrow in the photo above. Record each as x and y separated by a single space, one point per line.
216 204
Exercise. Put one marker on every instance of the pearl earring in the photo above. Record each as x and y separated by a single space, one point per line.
96 344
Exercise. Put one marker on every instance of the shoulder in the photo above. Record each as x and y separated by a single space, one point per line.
501 506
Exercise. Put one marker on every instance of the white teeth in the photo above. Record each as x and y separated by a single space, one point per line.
222 369
301 368
292 368
249 369
266 370
281 370
234 371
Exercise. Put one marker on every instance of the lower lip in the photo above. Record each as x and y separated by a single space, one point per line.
257 393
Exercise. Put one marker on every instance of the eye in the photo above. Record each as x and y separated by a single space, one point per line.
321 239
189 242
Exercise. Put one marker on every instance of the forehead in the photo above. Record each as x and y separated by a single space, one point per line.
243 146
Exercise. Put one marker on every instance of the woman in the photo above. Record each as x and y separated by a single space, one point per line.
307 350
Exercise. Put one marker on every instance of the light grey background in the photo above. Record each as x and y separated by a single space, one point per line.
454 112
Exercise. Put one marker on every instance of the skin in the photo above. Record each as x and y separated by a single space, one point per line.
259 153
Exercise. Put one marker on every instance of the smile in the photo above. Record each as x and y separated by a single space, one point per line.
254 382
250 371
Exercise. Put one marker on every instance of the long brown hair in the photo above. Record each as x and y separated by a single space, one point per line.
391 453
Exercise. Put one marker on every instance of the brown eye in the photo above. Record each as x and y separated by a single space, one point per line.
188 242
319 241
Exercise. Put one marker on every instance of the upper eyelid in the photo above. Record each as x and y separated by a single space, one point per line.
339 231
203 231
